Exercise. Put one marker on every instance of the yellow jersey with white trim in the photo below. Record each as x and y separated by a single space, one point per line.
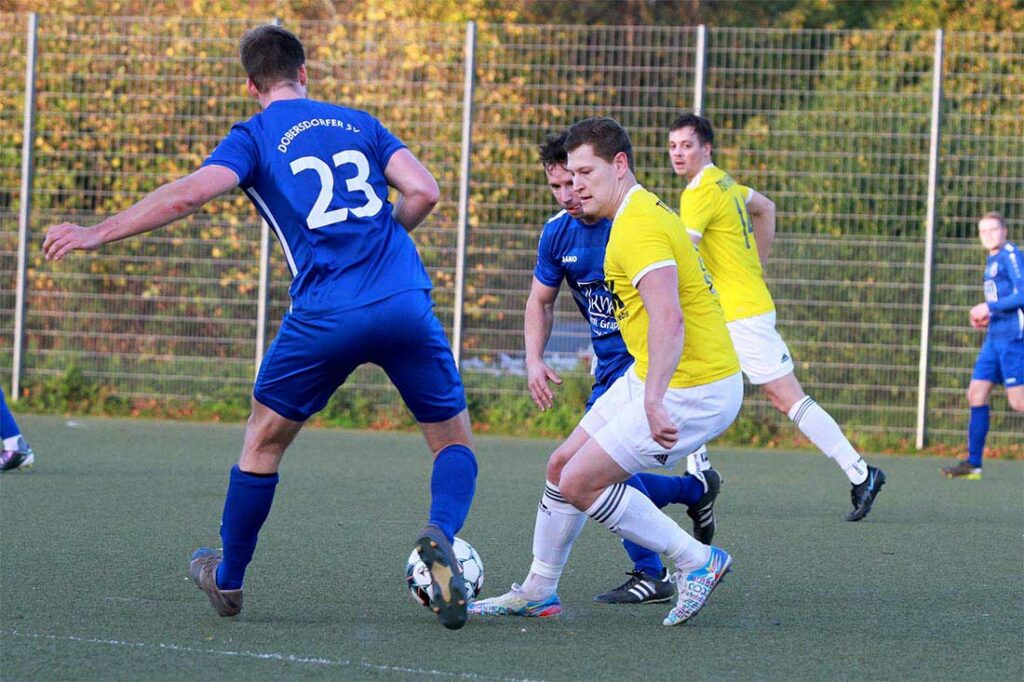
647 235
714 207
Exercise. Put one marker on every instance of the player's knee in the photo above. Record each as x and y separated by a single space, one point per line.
574 490
556 462
977 397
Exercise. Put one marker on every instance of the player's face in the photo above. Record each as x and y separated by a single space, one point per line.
992 234
560 182
687 154
595 181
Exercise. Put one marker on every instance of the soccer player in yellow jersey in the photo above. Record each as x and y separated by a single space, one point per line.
733 227
684 389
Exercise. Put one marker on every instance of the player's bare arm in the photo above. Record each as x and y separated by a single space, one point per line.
659 290
160 207
762 214
418 188
539 318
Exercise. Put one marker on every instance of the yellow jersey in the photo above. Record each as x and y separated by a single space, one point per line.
714 207
647 235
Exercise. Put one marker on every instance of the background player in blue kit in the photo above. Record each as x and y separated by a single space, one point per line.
1001 359
572 248
319 174
15 455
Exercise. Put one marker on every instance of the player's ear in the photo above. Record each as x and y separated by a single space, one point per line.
251 87
621 163
302 75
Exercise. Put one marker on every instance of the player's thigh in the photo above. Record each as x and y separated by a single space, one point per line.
417 357
987 368
308 360
763 354
701 413
1015 396
1011 362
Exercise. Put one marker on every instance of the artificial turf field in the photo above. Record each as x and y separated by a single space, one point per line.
94 543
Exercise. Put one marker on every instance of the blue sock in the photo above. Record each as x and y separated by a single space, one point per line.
8 427
643 559
977 430
245 509
665 490
452 485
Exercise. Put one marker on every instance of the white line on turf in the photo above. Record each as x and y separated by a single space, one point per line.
267 656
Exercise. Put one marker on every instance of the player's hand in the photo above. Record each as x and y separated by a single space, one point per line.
980 316
538 374
663 430
66 237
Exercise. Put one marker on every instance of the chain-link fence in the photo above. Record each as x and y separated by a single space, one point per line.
835 126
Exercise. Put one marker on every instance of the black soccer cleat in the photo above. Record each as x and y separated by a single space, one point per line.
641 588
703 510
863 495
448 595
20 458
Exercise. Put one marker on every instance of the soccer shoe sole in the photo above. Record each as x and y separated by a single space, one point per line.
965 477
726 571
449 598
202 569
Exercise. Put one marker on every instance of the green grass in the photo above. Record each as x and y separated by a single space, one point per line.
94 543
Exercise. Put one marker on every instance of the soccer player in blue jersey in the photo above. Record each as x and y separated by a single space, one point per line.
16 454
319 174
572 248
1001 359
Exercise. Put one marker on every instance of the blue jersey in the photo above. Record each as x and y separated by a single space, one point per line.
1004 293
315 172
574 251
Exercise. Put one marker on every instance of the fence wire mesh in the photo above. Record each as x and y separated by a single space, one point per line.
832 125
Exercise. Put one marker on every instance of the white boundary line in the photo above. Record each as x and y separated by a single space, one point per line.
269 656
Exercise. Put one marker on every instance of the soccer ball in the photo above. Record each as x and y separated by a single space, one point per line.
418 577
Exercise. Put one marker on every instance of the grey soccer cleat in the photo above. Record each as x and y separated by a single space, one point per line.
203 570
448 596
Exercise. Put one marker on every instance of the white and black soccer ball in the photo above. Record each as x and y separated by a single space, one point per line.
418 577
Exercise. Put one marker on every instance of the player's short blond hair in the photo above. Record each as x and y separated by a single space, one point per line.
993 215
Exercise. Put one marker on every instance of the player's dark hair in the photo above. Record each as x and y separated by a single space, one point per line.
701 126
604 134
270 55
552 150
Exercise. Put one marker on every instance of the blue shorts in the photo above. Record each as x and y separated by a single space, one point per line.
1001 362
312 356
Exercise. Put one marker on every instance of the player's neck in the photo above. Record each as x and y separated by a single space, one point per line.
282 91
627 183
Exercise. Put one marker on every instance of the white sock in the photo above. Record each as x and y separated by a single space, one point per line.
632 515
821 428
697 462
557 527
12 442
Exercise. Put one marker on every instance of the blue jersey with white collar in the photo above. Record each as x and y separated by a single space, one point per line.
1004 293
315 172
574 251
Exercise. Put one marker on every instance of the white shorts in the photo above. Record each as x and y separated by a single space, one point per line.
763 354
618 421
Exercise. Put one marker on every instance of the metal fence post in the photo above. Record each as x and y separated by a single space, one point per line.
929 239
464 170
700 64
263 288
25 206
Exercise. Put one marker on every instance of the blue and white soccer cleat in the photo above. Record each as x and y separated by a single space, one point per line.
695 588
18 459
513 603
